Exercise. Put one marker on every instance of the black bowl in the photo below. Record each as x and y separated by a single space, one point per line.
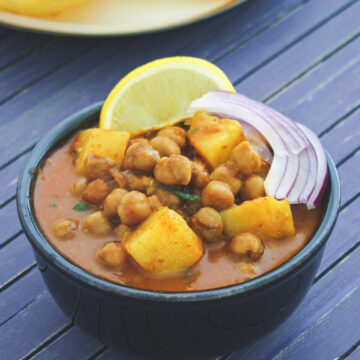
166 325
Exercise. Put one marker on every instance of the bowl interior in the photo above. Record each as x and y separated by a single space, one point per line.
88 118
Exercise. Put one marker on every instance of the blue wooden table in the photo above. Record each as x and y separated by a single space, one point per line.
300 56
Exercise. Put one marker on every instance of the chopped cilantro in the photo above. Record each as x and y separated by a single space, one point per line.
180 194
81 207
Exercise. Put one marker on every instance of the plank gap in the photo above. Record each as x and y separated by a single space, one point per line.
270 25
353 199
344 255
7 201
3 166
18 311
347 157
98 353
350 351
11 238
343 118
24 55
17 277
310 69
47 342
296 41
43 76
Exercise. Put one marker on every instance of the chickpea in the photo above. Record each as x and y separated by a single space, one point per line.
96 191
65 229
168 199
175 133
217 195
134 208
264 169
98 223
165 146
79 186
199 176
208 224
113 201
120 231
253 188
247 244
119 177
112 253
173 170
224 174
140 156
154 202
140 183
246 160
96 167
140 140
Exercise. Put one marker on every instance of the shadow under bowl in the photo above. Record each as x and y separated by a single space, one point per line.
161 325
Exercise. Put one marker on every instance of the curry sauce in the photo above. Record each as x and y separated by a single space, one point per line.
54 200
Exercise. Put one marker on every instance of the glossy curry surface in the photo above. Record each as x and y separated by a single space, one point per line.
54 200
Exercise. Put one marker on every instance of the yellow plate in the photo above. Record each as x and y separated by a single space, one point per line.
121 17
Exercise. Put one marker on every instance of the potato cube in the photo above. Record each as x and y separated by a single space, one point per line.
103 143
164 244
264 216
214 138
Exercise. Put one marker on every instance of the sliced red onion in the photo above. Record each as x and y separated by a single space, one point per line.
294 173
321 168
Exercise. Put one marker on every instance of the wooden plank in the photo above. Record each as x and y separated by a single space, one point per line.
17 44
331 335
49 101
75 342
344 138
47 58
19 295
9 176
14 258
322 297
339 244
10 224
31 327
303 55
325 94
246 59
349 174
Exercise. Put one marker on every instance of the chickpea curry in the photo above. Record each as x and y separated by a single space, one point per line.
182 208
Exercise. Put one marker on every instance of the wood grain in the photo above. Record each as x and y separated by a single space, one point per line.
302 56
244 60
311 47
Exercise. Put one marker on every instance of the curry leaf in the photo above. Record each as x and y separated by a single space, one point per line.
52 205
81 207
180 194
187 272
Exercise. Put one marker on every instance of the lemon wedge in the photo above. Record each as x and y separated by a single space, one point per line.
159 93
37 7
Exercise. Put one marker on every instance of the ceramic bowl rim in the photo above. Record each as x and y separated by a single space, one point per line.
41 244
